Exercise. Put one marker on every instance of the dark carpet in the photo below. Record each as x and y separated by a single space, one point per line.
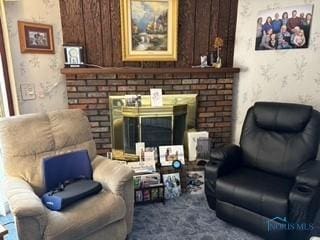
185 218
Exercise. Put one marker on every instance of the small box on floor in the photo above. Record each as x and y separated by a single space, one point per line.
146 180
195 182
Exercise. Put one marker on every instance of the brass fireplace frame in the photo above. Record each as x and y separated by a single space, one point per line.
117 107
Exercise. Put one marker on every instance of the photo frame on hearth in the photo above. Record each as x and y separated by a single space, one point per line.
169 154
149 30
195 182
193 137
35 38
172 185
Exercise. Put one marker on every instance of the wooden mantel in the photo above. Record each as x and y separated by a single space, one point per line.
138 70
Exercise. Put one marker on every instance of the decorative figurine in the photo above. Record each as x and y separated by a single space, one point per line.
218 44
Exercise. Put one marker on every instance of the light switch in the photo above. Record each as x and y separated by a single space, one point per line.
28 91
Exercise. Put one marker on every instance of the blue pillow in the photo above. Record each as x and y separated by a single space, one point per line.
69 166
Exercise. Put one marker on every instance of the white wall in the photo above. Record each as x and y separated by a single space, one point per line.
286 75
43 70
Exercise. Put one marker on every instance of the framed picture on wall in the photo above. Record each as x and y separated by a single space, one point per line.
284 28
149 30
35 37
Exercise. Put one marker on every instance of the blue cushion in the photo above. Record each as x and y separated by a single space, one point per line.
71 193
61 168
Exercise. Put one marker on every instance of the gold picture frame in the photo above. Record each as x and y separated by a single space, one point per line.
149 30
35 37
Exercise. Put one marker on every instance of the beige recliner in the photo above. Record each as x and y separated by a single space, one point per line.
24 142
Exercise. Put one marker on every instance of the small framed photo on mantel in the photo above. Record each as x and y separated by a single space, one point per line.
35 37
73 56
156 97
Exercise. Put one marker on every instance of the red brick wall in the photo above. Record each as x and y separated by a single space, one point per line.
90 92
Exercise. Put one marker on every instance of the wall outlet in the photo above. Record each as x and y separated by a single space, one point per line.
28 91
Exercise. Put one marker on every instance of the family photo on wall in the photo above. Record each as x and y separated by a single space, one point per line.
284 28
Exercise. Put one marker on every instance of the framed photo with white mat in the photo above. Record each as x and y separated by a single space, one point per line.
168 154
193 137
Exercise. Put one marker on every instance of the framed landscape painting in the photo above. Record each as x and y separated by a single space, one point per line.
149 30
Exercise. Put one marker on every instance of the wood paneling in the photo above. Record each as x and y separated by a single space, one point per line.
214 23
96 24
202 30
93 34
223 27
106 33
232 31
186 34
72 21
116 32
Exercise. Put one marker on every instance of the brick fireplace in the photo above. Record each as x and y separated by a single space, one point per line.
90 90
96 26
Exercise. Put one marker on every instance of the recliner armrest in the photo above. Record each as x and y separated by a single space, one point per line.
305 195
223 160
119 179
22 199
226 158
228 151
308 174
29 212
303 205
112 175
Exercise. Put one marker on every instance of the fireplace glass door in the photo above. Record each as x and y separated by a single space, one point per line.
154 125
131 134
153 131
156 131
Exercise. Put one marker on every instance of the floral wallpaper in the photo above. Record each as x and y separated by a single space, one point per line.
286 76
41 70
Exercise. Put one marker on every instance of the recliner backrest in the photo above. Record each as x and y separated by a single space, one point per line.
279 137
27 139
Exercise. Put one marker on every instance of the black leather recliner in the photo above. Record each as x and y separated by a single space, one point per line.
270 184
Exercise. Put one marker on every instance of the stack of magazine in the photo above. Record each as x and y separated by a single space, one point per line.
148 158
147 180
